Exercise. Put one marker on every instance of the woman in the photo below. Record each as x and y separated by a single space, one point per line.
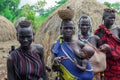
110 35
85 35
27 61
63 52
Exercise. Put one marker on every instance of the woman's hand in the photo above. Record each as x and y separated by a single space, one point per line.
57 61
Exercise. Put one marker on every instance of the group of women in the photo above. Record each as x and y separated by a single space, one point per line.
27 61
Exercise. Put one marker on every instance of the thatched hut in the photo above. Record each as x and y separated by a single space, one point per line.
7 30
49 30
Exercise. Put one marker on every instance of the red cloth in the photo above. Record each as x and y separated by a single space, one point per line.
112 71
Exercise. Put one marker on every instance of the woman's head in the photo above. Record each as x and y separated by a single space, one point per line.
84 24
67 28
25 33
108 17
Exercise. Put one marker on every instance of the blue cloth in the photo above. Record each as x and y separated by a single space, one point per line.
69 65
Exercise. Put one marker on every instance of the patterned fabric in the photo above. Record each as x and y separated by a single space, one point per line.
112 71
27 65
69 65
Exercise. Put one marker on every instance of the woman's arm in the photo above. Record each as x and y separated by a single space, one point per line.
10 69
41 53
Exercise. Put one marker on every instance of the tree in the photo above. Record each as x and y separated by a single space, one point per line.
39 7
9 8
29 14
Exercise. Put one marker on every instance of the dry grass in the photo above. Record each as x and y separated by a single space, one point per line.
7 30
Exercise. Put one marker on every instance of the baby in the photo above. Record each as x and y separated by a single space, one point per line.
104 48
85 54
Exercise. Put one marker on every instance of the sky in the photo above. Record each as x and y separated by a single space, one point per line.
51 3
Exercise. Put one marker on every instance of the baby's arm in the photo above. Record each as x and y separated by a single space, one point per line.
84 63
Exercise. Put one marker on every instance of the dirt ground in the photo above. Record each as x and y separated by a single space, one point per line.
4 51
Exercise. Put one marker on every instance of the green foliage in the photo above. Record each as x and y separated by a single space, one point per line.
115 6
61 2
8 14
29 14
39 21
43 14
39 7
107 4
9 8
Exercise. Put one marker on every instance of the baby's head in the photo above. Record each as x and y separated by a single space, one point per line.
105 48
87 52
